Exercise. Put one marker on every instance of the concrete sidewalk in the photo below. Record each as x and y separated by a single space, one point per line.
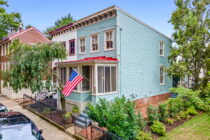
50 132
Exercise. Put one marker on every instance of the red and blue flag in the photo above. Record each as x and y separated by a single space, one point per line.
73 81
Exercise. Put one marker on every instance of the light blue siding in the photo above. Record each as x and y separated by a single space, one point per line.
99 28
139 59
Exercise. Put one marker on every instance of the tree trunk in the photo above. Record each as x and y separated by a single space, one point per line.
63 102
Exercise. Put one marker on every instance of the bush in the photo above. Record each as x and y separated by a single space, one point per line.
175 105
152 114
170 121
158 128
177 117
184 115
140 122
67 115
46 110
143 136
163 112
191 111
75 109
118 116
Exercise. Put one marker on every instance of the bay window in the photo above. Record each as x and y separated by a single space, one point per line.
107 79
86 80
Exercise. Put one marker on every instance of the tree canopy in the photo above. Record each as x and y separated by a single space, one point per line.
191 24
30 64
61 22
8 21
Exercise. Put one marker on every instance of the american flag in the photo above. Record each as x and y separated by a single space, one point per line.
73 81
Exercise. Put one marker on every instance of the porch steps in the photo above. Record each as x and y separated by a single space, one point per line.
82 120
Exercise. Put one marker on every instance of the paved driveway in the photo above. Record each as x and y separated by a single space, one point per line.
50 132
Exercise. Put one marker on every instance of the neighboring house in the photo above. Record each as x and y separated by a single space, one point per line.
118 55
30 36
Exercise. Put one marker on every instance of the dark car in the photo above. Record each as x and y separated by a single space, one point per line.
3 108
15 125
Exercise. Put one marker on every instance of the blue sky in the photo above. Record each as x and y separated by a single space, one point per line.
43 13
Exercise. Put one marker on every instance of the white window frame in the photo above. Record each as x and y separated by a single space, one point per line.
89 80
105 47
163 76
96 79
80 45
91 48
163 47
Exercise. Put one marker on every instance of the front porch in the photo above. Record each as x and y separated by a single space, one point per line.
100 79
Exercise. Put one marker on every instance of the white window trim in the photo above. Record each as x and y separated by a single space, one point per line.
113 37
91 49
96 79
163 76
84 37
163 48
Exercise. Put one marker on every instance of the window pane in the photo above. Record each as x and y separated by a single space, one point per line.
86 81
114 80
107 79
100 79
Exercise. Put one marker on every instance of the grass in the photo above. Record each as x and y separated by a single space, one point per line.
197 128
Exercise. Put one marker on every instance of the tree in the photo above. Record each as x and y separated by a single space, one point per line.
60 22
191 24
117 116
28 26
8 21
30 64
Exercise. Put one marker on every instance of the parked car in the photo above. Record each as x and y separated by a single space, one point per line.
16 126
3 108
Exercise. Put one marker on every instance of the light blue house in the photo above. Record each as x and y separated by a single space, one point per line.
118 55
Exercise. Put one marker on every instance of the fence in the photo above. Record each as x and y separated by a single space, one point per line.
47 108
94 132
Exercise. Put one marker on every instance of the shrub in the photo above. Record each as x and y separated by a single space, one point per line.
143 136
192 111
163 112
184 115
140 122
118 116
75 109
175 105
177 117
170 121
46 110
67 115
158 128
152 114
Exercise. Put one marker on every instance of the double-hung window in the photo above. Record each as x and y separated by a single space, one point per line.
109 40
161 48
72 47
94 43
107 78
162 77
82 45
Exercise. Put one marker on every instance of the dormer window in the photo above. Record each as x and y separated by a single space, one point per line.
94 43
109 39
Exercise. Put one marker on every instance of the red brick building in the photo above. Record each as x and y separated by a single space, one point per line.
30 36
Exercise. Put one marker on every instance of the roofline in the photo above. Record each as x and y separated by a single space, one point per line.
21 32
115 8
136 19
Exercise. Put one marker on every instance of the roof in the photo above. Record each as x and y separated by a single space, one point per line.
12 36
93 59
101 12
